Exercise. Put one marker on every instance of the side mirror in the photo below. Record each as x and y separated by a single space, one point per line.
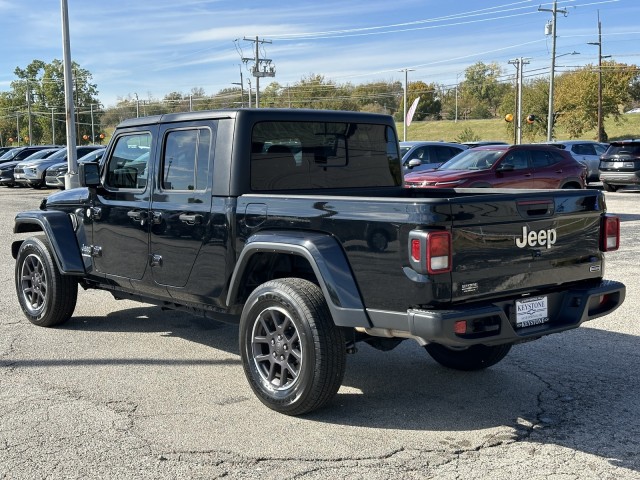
505 167
414 162
89 174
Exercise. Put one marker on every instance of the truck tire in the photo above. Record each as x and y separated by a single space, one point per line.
476 357
293 355
47 297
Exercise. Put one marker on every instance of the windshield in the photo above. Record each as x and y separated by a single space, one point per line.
404 150
472 160
9 154
40 154
61 154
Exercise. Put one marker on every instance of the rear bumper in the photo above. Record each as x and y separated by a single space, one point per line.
494 323
620 178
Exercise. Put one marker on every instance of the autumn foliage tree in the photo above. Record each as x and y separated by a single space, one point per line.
576 99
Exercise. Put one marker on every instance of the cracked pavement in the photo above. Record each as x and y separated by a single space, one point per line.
125 390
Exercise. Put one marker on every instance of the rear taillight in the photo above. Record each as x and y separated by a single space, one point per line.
609 233
430 252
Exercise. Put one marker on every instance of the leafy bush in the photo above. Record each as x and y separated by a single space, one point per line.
467 135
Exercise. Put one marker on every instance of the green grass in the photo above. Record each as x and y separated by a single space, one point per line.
450 131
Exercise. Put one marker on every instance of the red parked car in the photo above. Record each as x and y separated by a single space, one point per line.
504 166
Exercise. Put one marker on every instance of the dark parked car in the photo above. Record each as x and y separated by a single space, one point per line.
7 168
504 166
620 165
32 172
54 176
21 153
423 155
586 152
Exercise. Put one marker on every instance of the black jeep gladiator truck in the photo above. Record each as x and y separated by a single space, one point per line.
295 225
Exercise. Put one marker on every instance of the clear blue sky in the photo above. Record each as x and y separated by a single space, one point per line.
151 48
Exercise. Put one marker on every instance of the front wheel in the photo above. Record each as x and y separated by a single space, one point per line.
476 357
47 297
293 355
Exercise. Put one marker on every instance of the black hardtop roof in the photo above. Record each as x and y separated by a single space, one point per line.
262 114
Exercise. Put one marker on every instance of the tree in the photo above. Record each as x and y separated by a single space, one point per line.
483 89
38 95
429 105
379 97
577 95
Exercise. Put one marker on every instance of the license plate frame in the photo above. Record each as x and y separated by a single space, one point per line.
530 312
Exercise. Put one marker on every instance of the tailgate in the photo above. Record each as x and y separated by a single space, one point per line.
505 243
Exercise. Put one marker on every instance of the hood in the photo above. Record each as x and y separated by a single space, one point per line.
440 175
65 198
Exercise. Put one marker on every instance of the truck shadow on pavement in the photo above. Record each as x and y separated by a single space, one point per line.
578 390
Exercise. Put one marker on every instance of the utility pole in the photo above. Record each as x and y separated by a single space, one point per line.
29 108
404 117
457 84
241 83
261 66
600 57
554 13
519 64
53 127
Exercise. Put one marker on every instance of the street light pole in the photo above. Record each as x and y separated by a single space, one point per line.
71 178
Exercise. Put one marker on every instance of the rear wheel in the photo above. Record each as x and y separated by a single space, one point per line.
476 357
608 187
293 355
47 297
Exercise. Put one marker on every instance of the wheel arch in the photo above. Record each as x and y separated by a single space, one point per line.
572 182
323 255
58 229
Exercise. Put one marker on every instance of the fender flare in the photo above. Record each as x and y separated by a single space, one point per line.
59 230
328 261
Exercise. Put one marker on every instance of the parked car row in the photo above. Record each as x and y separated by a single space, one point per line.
504 166
42 165
557 164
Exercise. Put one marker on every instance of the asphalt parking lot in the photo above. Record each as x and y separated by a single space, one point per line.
125 390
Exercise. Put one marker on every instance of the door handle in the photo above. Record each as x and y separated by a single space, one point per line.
138 216
191 219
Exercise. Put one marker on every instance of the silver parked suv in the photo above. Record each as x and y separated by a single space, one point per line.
586 152
620 165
